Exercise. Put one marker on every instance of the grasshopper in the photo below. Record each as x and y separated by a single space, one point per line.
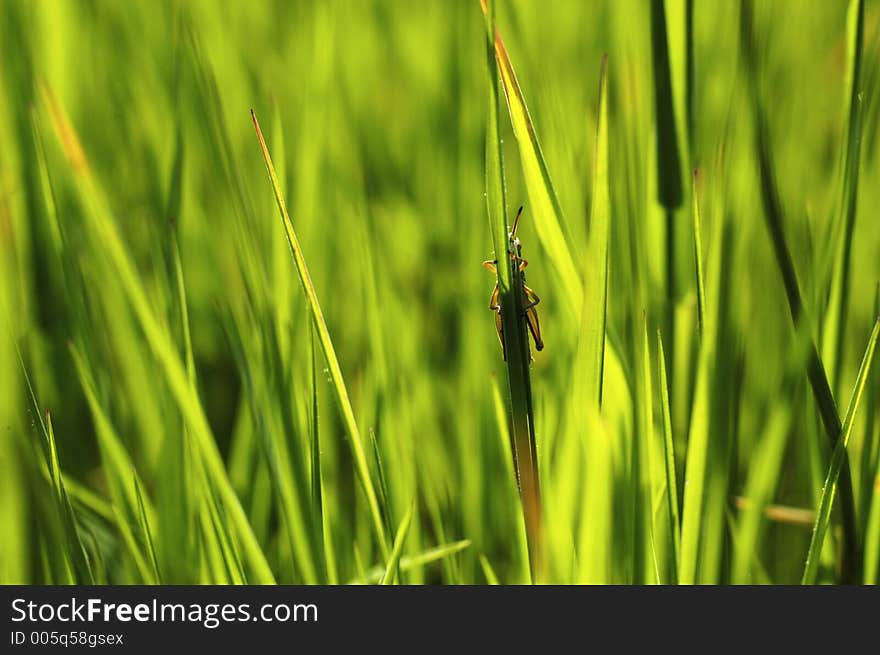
530 298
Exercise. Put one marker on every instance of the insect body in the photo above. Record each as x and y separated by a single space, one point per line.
529 297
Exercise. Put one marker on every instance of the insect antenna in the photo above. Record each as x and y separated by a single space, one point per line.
516 222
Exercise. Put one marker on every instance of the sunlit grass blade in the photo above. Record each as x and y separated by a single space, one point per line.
391 570
147 532
412 563
642 474
823 514
669 457
488 571
836 312
698 252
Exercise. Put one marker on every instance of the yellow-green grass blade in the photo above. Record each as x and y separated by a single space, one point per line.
698 252
103 227
503 431
317 315
146 532
413 563
669 460
488 571
871 473
391 569
317 471
700 432
836 311
642 473
823 514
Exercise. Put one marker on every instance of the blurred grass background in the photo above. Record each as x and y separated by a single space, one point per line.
375 114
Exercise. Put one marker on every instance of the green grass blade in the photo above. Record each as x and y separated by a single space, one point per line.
823 514
835 316
339 388
399 539
700 446
146 531
698 253
669 453
595 300
488 571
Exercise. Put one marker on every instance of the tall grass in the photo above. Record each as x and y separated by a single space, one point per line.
198 392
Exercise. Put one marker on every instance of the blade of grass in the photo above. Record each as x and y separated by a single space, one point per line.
391 571
412 563
76 551
698 253
823 514
488 572
669 453
700 444
835 316
327 346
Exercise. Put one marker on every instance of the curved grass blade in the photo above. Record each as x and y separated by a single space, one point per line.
835 317
399 540
327 346
823 515
409 563
669 453
488 571
698 253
